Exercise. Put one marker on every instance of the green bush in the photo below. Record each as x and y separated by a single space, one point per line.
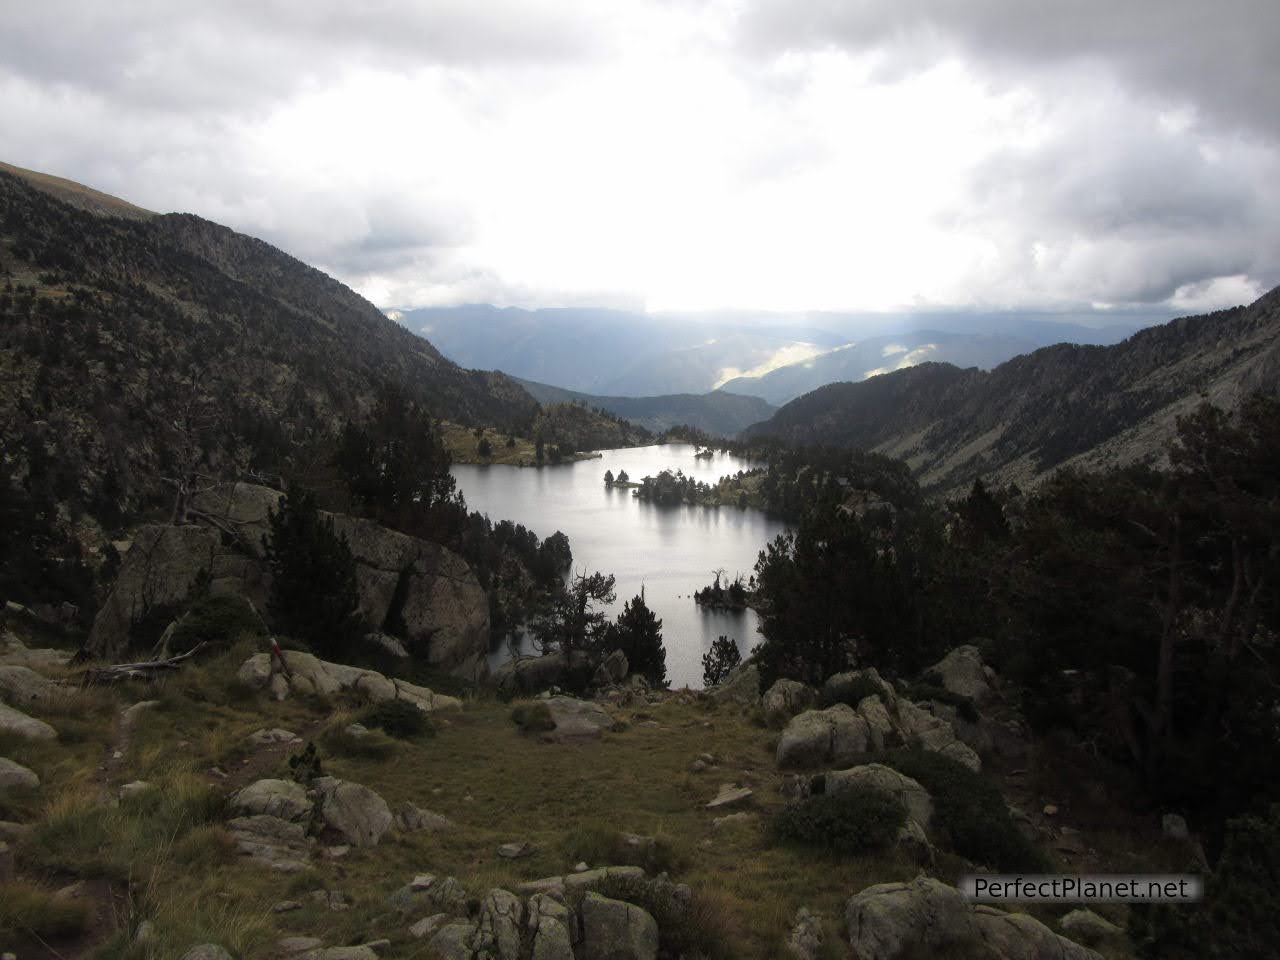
851 821
218 621
398 718
532 717
972 811
371 745
928 690
700 927
1240 915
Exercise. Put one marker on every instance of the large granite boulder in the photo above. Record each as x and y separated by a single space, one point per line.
158 571
853 685
498 932
359 814
615 930
549 921
526 676
920 728
962 672
831 737
576 720
784 700
18 723
1019 936
273 798
22 685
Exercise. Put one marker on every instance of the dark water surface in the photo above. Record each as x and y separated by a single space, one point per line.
669 550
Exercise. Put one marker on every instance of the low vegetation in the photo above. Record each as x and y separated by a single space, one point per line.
851 821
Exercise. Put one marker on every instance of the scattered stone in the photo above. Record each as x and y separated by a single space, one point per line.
1018 936
410 817
275 735
379 947
146 932
272 842
336 853
291 945
334 900
453 941
614 930
1085 926
356 730
426 893
733 820
310 675
353 810
286 906
697 766
129 715
14 774
842 687
284 799
549 921
342 953
1050 810
515 851
581 867
729 796
134 789
1174 826
612 670
805 942
18 723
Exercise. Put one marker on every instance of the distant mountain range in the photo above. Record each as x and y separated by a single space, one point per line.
614 353
719 413
1089 406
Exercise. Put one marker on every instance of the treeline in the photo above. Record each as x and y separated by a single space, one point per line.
1136 609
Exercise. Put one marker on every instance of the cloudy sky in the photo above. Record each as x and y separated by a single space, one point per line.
769 154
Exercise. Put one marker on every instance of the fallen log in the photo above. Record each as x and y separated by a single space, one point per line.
145 670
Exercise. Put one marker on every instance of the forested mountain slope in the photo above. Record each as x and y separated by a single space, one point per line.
1084 405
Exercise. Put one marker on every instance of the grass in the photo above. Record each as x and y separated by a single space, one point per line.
30 914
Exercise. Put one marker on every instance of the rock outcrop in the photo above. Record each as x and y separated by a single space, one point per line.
353 810
892 921
616 930
835 736
742 686
962 672
784 700
308 674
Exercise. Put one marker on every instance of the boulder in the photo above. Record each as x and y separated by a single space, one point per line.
15 653
453 941
614 930
18 723
784 700
428 925
158 570
526 676
273 798
271 737
428 894
1018 936
742 686
16 775
549 922
850 687
577 720
962 672
499 928
833 736
919 728
22 685
612 670
892 921
271 842
206 951
879 726
355 811
913 798
1085 926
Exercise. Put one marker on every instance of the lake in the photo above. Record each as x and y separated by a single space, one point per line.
670 551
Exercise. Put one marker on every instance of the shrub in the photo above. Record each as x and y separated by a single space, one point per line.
31 912
398 718
699 927
600 846
720 661
218 621
372 745
971 810
851 821
532 717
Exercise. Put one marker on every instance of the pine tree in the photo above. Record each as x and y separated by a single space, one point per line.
638 634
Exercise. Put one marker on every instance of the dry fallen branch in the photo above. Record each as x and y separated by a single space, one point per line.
146 670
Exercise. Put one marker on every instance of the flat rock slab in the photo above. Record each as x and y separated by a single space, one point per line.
577 720
729 796
515 851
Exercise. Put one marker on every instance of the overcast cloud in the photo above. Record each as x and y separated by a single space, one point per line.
768 154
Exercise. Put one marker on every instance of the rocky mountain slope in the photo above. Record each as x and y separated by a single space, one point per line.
134 342
719 413
1087 406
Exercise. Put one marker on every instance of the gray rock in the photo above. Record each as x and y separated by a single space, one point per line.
805 942
130 715
272 842
1017 936
387 644
577 720
135 789
145 933
427 894
275 735
961 672
515 851
549 922
613 669
453 941
22 685
286 906
914 798
784 700
614 930
842 687
1085 926
355 811
291 945
206 951
16 775
919 728
273 798
18 723
309 675
501 920
742 686
1174 826
739 819
879 725
925 917
342 953
410 817
834 736
428 925
13 652
729 796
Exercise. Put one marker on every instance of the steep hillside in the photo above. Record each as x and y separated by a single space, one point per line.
877 355
719 412
1086 406
136 347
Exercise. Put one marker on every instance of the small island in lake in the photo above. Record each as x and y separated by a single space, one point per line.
727 595
621 480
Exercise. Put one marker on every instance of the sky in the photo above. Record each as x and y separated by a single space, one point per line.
786 155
